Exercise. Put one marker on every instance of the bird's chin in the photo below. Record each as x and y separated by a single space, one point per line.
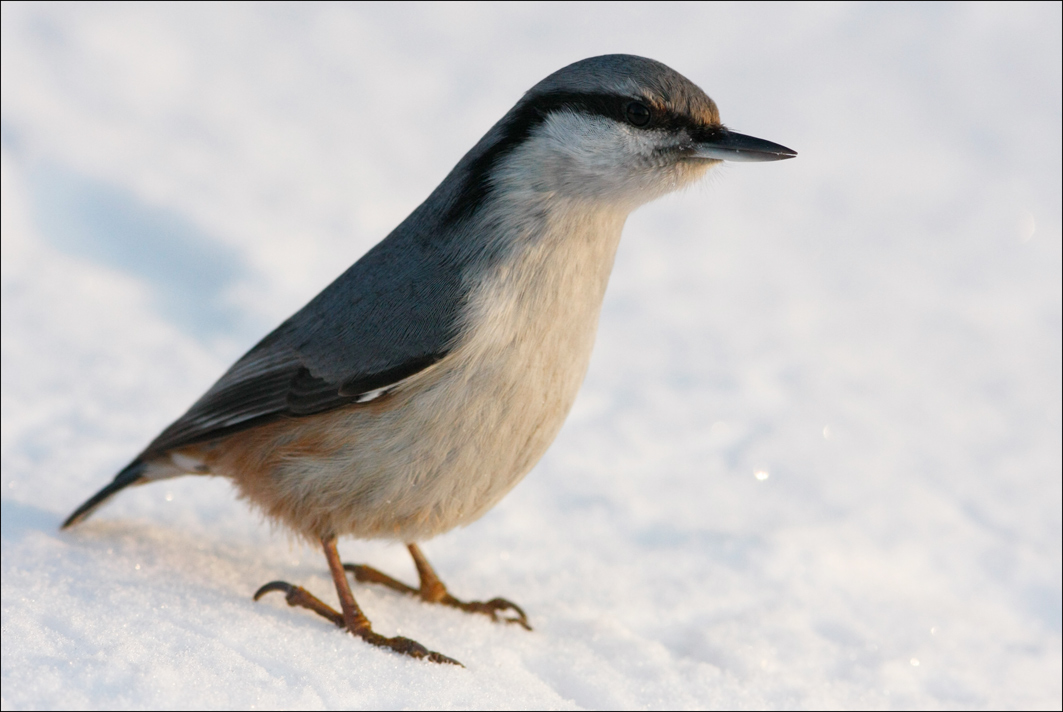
692 168
661 181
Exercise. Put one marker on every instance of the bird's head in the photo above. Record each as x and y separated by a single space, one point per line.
616 129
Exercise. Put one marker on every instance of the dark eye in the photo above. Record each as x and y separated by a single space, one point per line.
638 114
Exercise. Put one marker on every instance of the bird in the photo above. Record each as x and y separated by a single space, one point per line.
421 385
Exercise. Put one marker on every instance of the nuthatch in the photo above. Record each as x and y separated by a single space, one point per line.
421 385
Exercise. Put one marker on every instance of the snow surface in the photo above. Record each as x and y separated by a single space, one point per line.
874 328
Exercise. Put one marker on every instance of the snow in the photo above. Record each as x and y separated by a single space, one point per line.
817 458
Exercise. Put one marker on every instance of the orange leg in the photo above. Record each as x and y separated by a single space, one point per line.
432 590
352 617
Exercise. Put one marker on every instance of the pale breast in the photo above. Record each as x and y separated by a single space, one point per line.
441 450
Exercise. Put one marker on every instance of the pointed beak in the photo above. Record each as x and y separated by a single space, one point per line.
724 145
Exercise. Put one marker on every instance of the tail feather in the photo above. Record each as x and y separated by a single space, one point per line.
131 474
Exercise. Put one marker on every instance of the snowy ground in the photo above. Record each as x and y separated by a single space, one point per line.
876 325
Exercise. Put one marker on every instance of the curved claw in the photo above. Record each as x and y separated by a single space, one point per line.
298 596
494 607
282 586
367 574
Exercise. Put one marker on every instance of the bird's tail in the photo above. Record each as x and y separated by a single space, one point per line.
131 474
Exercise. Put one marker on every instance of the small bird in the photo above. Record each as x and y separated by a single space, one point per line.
413 392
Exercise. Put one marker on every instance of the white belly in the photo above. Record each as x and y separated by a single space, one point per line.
457 437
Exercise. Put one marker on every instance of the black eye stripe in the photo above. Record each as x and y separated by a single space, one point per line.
611 106
529 114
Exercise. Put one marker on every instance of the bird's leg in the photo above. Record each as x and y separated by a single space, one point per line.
432 590
352 617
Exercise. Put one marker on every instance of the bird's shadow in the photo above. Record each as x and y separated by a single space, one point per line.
18 519
191 275
188 271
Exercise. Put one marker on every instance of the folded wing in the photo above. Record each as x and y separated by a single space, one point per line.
389 316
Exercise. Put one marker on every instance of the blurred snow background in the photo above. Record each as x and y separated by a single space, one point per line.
874 327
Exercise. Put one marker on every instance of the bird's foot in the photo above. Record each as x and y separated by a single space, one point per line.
300 597
436 592
406 646
495 608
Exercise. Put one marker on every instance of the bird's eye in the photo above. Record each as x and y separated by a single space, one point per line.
637 113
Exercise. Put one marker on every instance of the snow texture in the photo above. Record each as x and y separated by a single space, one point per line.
816 460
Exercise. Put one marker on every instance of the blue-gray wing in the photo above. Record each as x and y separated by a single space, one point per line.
392 314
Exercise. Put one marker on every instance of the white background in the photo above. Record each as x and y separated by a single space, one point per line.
876 325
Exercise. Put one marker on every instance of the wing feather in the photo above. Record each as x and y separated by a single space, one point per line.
389 316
